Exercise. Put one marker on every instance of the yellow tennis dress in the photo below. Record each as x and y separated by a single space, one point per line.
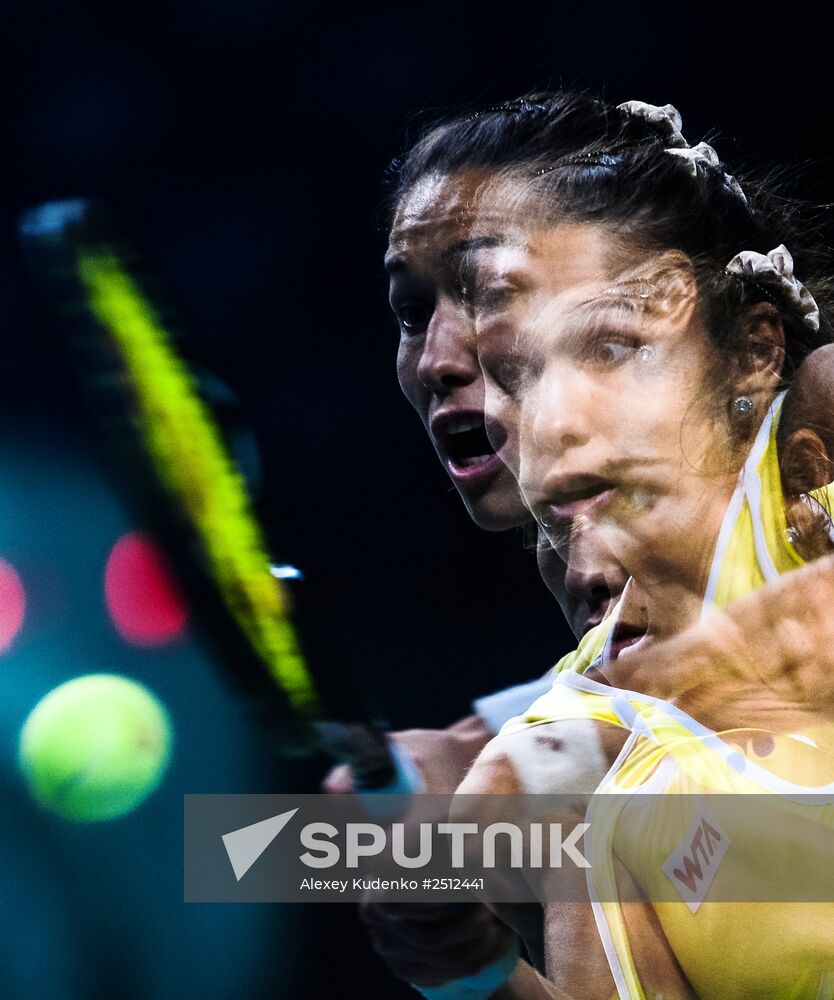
690 845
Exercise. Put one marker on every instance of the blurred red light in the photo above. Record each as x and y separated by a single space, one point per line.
142 597
12 604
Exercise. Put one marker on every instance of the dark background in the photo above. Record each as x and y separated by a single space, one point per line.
245 147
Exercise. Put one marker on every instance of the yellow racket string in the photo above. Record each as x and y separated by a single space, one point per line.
191 457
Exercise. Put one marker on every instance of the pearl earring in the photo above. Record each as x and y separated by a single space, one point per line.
742 405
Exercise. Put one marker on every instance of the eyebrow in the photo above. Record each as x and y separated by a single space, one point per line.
470 245
595 310
396 264
618 296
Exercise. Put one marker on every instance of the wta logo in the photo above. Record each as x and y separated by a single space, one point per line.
693 865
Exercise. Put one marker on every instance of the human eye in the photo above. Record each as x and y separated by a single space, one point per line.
491 292
612 348
493 296
412 299
412 315
508 375
508 372
486 289
613 351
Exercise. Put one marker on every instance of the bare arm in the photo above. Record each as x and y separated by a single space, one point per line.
768 660
526 984
562 937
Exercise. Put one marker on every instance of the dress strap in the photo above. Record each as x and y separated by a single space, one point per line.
749 489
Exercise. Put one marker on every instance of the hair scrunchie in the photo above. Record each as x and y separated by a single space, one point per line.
666 119
776 270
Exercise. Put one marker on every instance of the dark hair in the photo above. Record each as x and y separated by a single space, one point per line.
590 160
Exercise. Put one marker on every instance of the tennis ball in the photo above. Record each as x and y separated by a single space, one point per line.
95 747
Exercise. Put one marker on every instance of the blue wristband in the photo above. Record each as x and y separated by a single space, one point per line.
478 987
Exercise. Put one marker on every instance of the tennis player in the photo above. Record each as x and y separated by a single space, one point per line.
660 376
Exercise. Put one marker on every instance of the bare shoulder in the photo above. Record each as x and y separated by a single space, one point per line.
565 757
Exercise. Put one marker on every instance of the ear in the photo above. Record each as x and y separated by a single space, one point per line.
761 351
804 462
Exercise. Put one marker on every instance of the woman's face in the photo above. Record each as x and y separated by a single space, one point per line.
437 362
602 378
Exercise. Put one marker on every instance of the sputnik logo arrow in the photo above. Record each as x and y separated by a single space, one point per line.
246 845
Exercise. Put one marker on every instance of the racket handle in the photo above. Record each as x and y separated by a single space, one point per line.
379 766
407 778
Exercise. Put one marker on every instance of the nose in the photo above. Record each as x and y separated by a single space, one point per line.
588 585
593 575
584 580
558 411
449 359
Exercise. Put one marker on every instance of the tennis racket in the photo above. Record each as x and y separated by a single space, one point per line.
174 462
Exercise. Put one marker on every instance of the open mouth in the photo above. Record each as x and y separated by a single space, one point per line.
466 446
579 495
624 637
